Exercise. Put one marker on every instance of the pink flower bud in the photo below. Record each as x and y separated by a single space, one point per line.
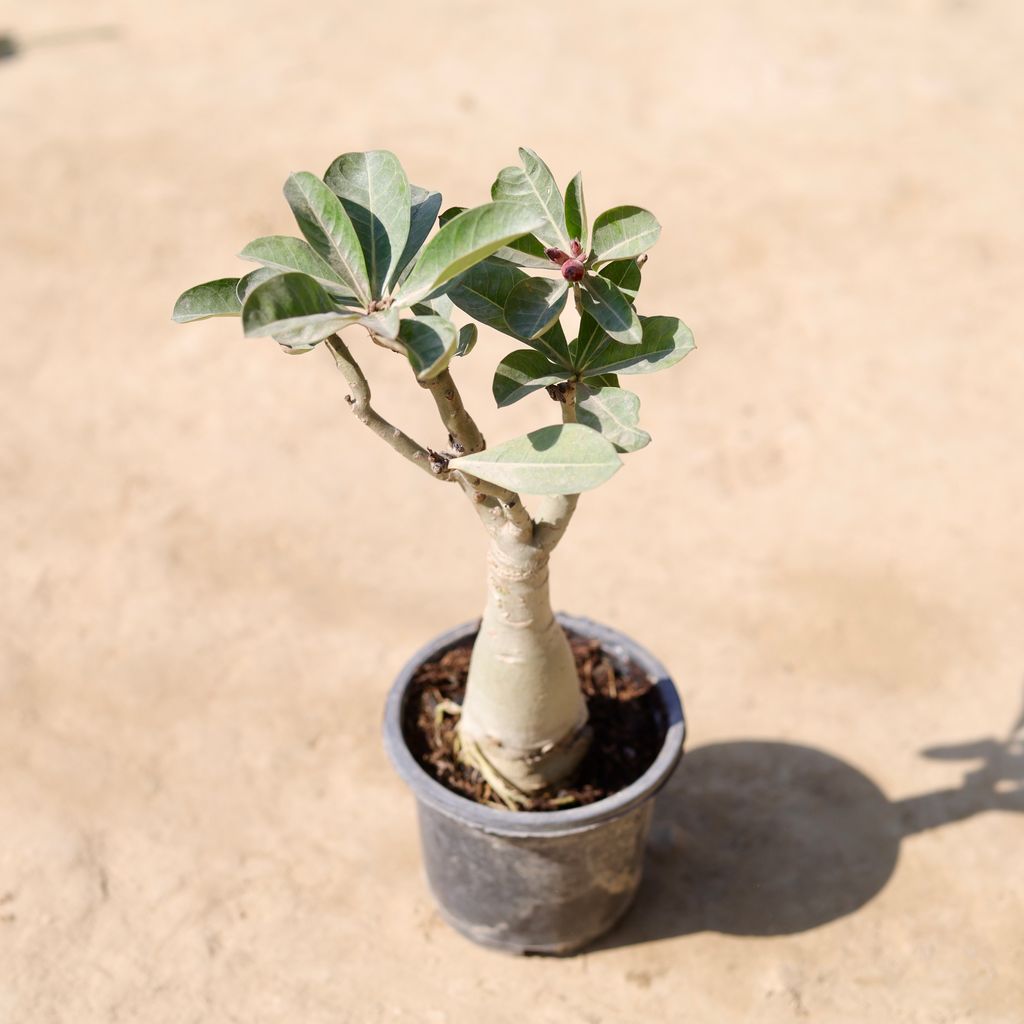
556 255
573 270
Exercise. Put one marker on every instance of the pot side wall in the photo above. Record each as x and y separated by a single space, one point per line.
535 882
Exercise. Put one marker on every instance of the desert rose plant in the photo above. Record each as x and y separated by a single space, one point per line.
370 259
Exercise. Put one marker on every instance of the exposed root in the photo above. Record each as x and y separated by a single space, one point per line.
471 756
446 707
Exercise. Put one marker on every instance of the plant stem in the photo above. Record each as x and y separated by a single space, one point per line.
466 439
359 400
524 720
557 510
511 505
465 434
524 715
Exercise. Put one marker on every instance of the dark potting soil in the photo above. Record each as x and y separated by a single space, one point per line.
626 716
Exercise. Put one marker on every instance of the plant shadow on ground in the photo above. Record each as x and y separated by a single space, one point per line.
759 838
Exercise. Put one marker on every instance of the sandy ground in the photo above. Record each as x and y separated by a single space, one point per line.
211 574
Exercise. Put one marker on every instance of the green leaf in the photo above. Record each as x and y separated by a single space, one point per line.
255 277
450 214
293 342
521 373
666 340
608 305
442 305
467 339
294 350
563 459
601 380
425 205
214 298
326 226
615 413
534 305
430 343
385 323
623 231
375 192
527 251
284 253
552 344
576 211
535 188
591 337
625 274
462 242
294 309
483 291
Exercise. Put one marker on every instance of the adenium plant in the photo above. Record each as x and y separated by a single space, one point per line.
369 258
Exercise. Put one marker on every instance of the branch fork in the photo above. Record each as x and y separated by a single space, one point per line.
499 508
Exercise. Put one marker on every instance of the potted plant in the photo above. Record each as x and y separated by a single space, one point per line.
523 849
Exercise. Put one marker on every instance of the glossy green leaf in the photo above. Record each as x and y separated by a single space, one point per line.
294 309
430 343
482 293
552 344
563 459
326 226
521 373
576 211
462 242
467 339
601 380
614 413
425 205
666 340
625 274
624 231
589 342
591 337
533 186
611 309
534 305
375 192
213 298
441 291
284 253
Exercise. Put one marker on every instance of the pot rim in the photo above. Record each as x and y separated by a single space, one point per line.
539 823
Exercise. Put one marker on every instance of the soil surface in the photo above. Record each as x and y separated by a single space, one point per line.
627 721
211 573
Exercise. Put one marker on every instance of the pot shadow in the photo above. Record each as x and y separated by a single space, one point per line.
760 838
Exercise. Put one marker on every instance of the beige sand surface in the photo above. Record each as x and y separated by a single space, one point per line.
210 573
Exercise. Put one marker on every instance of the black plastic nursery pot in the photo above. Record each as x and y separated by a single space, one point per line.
535 881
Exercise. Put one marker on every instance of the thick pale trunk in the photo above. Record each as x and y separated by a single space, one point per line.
524 713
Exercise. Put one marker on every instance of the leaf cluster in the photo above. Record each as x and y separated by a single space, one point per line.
369 256
364 259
